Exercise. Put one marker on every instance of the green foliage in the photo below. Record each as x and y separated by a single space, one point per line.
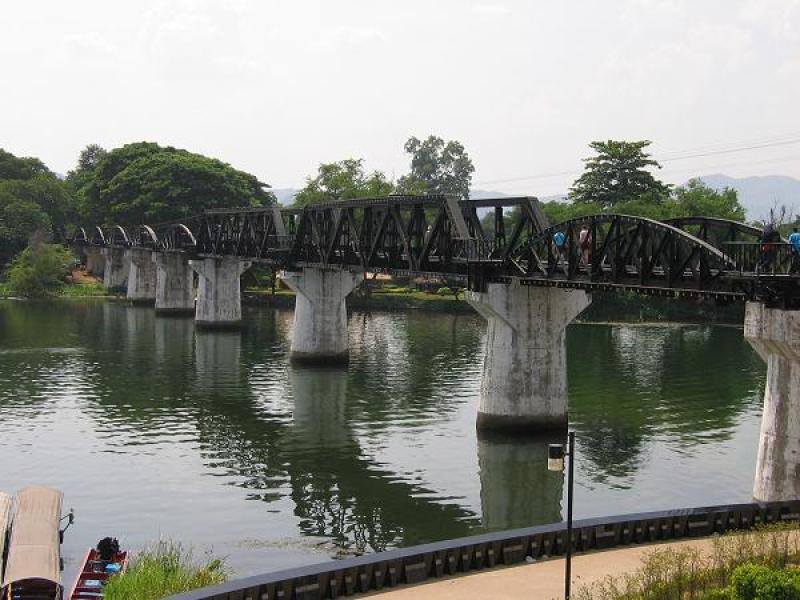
618 174
437 167
39 270
162 571
82 174
759 582
48 193
19 221
690 200
689 574
13 167
696 198
146 183
343 180
32 199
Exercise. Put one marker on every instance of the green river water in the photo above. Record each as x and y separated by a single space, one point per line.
153 429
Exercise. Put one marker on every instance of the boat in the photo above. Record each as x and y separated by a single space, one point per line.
5 523
99 565
33 568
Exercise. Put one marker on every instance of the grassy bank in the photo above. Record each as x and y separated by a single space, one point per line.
605 307
383 298
760 564
164 570
92 289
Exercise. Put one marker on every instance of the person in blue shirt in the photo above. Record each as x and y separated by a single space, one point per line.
794 240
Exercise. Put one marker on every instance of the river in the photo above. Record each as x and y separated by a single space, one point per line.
155 430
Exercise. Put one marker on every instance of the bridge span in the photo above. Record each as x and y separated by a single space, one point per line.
526 286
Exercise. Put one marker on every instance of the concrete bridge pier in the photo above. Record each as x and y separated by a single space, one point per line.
524 384
95 264
775 335
320 314
117 265
174 283
141 276
219 294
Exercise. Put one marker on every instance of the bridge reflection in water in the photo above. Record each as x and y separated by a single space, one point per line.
243 451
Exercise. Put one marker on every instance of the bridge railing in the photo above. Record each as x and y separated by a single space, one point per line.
772 258
417 564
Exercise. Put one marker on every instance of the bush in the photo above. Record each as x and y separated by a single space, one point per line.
444 291
39 270
759 582
759 564
162 571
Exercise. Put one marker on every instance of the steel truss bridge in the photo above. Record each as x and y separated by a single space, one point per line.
442 236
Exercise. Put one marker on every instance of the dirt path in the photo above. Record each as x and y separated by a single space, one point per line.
542 580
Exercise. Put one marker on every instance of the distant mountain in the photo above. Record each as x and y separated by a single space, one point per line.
759 194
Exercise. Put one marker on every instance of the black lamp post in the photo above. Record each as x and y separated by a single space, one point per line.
555 462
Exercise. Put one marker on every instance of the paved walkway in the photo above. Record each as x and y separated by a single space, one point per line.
537 581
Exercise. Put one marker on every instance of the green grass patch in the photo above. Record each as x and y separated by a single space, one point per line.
163 570
759 564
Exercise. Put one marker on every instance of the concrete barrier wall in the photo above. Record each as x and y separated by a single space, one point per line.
336 579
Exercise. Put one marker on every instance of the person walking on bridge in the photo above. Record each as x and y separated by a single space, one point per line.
585 243
794 240
769 237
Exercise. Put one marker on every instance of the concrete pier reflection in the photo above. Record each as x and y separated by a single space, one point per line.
517 490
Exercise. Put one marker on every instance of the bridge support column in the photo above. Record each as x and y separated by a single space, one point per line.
174 283
524 385
117 265
95 264
775 335
141 276
219 294
320 314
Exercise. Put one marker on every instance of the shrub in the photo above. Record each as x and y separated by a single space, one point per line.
39 270
162 571
758 582
444 291
745 565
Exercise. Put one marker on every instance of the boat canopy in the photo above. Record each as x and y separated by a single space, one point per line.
5 522
34 548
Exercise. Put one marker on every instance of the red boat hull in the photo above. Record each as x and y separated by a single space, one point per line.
91 580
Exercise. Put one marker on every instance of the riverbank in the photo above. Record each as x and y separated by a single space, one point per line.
606 308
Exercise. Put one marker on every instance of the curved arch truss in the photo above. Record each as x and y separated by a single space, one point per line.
178 237
621 251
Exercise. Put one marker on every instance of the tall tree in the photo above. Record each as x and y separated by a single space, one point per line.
343 180
619 173
147 183
437 167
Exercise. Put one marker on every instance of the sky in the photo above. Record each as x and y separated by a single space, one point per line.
275 88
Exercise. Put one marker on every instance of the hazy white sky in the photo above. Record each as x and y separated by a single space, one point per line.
275 88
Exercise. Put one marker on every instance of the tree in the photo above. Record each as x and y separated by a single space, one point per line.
19 221
87 163
619 174
32 199
697 199
14 167
437 167
40 269
147 183
48 193
343 180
